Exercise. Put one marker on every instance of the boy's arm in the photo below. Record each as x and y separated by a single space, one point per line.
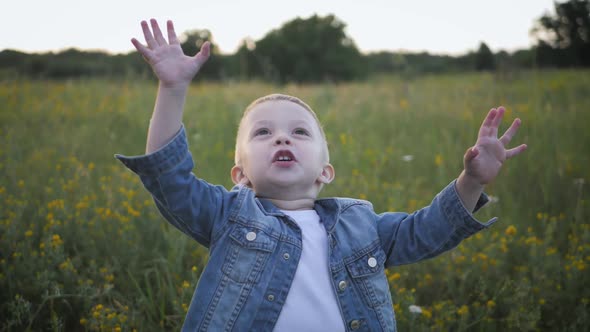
483 161
449 218
430 231
190 204
175 71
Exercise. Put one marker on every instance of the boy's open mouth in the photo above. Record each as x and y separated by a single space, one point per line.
284 158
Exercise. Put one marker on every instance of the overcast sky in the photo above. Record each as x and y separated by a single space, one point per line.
450 27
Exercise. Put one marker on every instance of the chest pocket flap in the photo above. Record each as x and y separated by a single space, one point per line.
368 264
252 238
368 276
248 254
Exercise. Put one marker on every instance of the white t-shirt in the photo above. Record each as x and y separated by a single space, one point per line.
311 304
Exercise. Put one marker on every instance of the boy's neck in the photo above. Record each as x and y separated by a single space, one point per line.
297 204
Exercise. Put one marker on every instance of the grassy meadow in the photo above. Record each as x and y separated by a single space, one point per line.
83 248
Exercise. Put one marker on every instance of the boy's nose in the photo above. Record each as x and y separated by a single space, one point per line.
282 140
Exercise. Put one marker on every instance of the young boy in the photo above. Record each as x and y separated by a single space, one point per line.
281 259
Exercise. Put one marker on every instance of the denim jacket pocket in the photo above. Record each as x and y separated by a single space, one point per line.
248 253
368 276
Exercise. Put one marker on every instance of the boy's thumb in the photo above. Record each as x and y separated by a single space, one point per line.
205 51
471 153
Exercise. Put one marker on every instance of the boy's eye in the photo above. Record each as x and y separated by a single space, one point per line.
301 131
262 131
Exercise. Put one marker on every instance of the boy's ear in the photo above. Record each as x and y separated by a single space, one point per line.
327 174
238 176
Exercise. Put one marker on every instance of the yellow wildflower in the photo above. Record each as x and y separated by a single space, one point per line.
395 276
438 160
464 310
56 240
403 104
510 231
491 304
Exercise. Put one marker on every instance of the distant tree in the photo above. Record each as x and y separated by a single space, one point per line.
484 58
523 58
386 62
247 65
307 50
564 37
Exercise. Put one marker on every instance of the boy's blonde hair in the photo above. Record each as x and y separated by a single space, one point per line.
275 97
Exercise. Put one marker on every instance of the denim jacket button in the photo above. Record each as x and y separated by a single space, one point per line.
270 297
251 236
355 324
286 256
372 262
342 285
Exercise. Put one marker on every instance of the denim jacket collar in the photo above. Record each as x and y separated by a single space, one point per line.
327 208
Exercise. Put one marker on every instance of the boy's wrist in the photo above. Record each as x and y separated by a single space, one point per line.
468 182
174 88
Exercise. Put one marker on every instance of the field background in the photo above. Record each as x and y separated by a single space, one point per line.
82 247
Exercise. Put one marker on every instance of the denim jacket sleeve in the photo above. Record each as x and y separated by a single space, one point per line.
430 231
192 205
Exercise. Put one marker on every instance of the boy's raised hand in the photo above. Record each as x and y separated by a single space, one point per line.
173 68
483 161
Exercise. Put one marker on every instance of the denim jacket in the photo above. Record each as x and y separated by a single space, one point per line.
254 248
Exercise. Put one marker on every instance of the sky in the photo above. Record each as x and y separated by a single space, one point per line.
442 27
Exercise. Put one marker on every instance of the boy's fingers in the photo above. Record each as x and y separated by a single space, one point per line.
498 117
141 49
509 134
486 126
172 39
496 121
157 32
515 151
489 120
149 39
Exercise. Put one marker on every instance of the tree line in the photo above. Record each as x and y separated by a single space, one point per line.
317 49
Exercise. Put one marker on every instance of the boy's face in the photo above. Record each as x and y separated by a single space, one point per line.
282 153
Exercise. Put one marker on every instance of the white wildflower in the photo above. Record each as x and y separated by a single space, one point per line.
579 181
415 309
407 158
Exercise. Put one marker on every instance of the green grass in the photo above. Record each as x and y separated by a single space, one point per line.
82 247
